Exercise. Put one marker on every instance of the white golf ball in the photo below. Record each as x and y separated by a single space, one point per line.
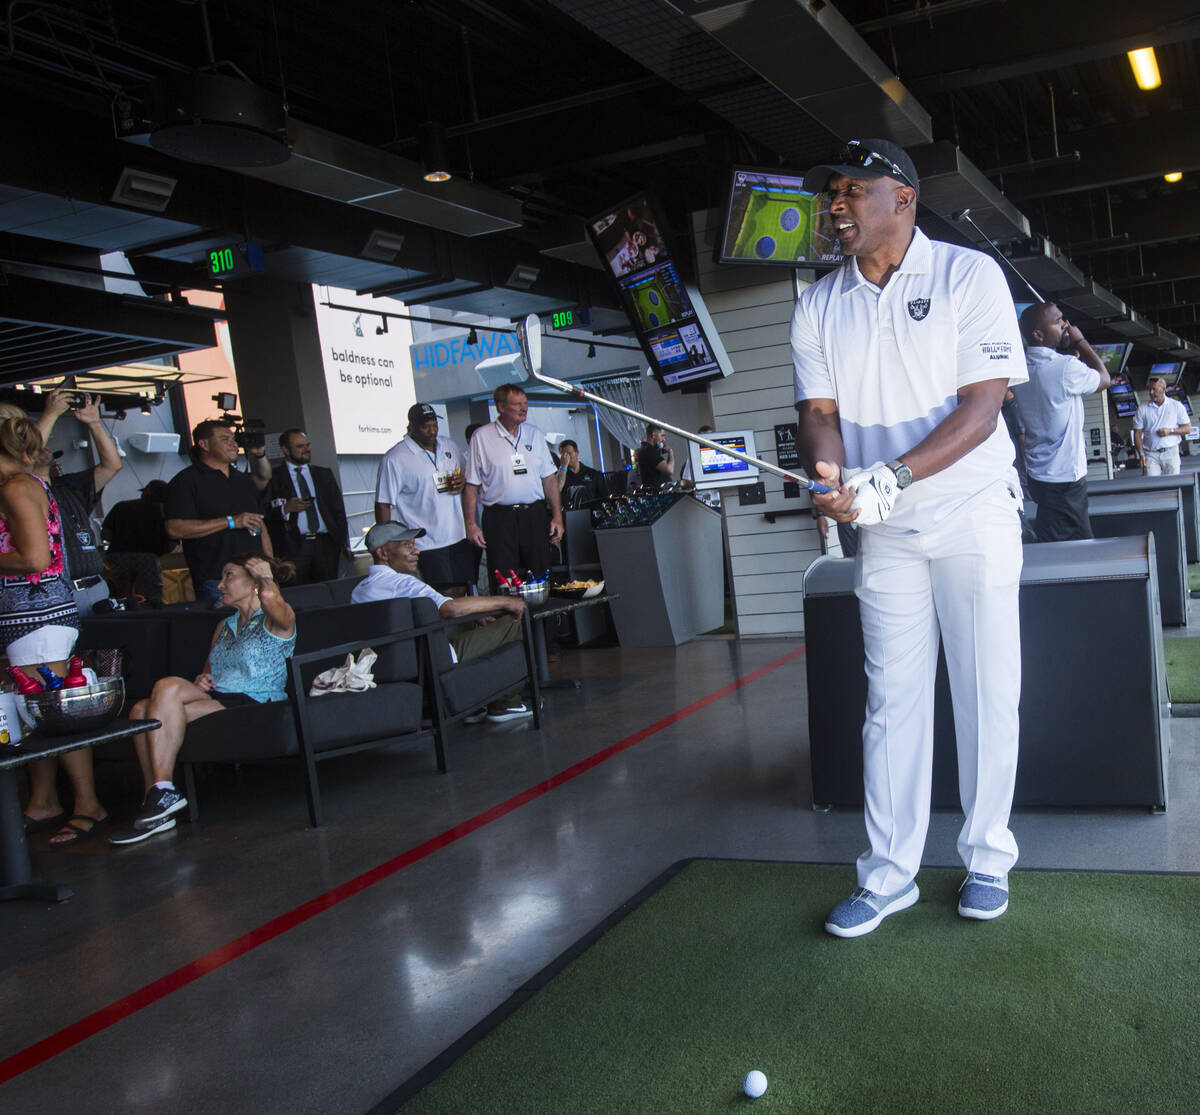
755 1084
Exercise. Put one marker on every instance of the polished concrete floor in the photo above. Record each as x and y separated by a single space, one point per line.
332 1009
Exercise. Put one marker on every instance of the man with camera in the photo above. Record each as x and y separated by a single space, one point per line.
214 508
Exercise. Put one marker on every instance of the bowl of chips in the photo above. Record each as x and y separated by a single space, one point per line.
578 590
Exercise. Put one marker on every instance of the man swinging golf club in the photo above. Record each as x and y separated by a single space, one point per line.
904 355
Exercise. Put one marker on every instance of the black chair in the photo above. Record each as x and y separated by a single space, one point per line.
313 729
460 688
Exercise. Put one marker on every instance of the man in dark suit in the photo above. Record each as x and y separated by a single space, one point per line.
307 518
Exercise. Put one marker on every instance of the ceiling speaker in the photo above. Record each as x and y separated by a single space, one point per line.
209 118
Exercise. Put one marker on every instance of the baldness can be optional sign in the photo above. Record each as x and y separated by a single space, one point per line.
368 375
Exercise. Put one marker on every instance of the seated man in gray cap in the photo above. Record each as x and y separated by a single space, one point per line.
394 575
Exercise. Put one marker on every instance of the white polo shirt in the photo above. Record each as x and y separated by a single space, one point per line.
382 582
491 464
1152 416
894 359
1053 411
408 482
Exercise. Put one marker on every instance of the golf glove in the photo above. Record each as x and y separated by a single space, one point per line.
875 493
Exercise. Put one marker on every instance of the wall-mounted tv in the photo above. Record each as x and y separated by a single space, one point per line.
1174 391
1114 356
1120 386
714 469
668 315
770 218
1125 407
1169 372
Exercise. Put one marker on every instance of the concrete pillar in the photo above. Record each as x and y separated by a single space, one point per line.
277 354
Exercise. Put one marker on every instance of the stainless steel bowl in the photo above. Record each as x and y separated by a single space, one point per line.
63 712
531 593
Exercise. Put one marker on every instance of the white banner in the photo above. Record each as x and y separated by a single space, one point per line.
368 373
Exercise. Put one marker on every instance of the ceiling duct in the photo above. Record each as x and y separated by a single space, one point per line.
811 54
1039 261
1161 339
216 120
950 183
1093 300
139 189
365 177
1131 324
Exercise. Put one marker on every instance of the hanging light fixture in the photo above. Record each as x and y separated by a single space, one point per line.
1145 68
472 336
434 162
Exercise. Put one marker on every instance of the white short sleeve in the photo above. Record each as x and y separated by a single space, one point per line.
1079 379
474 472
989 340
1139 423
1181 414
810 369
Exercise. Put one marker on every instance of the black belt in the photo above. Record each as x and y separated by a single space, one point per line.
86 582
519 506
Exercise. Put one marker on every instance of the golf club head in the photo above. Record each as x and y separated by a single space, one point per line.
529 338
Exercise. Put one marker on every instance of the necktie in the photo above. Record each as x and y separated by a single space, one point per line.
308 517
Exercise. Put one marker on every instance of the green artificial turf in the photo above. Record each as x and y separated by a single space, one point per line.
1194 578
1083 997
1182 656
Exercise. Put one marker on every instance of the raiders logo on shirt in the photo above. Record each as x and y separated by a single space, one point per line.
918 309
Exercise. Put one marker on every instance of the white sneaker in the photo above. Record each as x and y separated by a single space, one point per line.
501 713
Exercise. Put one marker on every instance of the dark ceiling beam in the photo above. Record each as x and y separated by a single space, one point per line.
1068 36
1130 151
1146 224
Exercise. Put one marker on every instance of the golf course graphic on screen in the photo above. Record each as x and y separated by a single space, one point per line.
772 219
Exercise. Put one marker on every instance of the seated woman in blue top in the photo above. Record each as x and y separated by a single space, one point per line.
247 664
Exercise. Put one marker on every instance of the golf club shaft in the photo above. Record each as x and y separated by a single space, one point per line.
579 392
965 215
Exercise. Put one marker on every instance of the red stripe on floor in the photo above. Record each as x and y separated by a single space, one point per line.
107 1016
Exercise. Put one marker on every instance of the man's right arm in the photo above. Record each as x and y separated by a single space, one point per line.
667 465
822 455
460 606
470 501
201 528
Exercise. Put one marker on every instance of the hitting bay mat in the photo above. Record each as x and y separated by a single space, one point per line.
1181 655
1083 997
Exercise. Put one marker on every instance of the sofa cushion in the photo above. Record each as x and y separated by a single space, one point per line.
341 719
467 685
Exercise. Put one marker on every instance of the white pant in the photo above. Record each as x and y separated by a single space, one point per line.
961 577
1162 462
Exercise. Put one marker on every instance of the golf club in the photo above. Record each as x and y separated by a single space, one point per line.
965 215
529 337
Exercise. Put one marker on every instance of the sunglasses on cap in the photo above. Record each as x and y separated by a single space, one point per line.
855 154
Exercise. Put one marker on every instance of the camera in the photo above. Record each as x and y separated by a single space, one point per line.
249 433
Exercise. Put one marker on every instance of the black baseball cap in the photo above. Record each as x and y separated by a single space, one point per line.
866 158
419 413
395 531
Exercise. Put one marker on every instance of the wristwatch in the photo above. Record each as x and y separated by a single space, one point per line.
903 473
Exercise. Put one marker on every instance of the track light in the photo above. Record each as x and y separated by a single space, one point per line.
434 163
1145 68
472 336
381 328
1174 176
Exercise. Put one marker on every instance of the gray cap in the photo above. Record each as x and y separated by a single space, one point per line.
382 533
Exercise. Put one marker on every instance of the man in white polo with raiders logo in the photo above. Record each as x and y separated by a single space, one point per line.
511 470
902 360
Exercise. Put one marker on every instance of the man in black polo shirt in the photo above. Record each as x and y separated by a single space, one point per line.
214 509
655 459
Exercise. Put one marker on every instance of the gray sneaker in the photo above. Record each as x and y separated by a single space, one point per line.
983 897
161 802
864 910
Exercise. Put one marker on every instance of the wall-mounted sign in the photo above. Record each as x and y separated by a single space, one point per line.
785 445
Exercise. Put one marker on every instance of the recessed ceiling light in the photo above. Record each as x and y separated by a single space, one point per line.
1174 176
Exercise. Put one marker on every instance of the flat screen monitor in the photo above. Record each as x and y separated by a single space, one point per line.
1174 391
680 354
1125 407
1120 386
630 236
1169 372
655 297
770 218
713 469
1114 356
